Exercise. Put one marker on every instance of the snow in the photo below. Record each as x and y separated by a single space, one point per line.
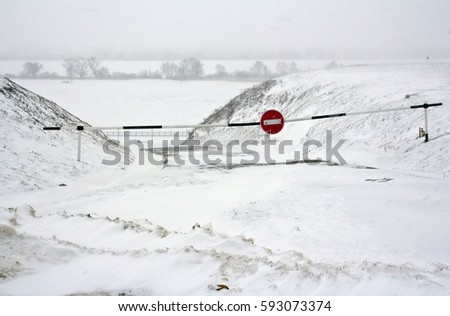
262 230
33 158
388 140
274 238
134 102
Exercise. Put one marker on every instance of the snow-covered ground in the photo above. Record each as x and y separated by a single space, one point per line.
268 230
264 230
33 159
134 102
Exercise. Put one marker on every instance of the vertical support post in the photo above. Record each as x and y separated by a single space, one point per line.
426 124
79 146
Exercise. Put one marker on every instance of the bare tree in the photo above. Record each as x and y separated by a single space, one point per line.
220 71
259 69
144 74
31 69
155 75
284 68
169 70
94 65
103 72
81 67
69 66
190 68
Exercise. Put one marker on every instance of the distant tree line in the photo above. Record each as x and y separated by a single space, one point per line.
257 71
34 70
187 69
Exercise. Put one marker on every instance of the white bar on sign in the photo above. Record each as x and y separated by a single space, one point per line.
272 122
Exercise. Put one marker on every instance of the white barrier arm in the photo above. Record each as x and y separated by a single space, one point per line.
81 128
316 117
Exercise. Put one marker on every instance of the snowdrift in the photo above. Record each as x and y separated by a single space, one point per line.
122 257
32 158
385 139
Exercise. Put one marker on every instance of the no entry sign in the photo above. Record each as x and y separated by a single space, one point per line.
272 122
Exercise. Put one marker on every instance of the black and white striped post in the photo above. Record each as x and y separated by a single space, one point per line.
81 128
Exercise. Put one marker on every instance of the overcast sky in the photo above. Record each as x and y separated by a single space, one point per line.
228 28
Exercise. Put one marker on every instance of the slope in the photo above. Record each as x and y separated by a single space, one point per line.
388 140
32 158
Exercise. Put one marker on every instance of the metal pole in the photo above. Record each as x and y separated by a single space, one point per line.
79 146
426 124
288 120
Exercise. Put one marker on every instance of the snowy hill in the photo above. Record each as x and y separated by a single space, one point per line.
32 158
385 139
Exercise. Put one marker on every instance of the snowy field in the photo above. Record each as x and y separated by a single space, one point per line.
261 230
134 102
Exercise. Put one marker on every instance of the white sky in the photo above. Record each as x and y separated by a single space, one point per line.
312 28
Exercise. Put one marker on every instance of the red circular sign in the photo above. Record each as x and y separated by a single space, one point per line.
272 122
